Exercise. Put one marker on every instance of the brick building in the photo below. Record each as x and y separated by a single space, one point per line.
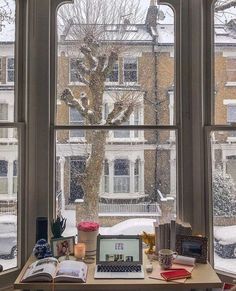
138 165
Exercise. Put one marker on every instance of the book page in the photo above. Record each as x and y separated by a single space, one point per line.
44 268
72 269
156 274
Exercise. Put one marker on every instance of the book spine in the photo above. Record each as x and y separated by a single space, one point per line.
172 235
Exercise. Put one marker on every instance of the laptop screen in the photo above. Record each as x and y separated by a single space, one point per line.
119 249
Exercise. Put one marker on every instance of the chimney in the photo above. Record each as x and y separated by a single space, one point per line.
152 13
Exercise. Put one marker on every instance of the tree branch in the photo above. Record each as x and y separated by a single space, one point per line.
101 63
81 78
87 52
225 6
118 107
113 58
69 99
83 69
123 116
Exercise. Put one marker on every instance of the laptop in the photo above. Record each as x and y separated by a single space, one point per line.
119 257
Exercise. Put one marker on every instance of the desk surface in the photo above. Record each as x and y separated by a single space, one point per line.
203 276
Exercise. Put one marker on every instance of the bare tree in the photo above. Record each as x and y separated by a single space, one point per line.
222 5
6 12
87 20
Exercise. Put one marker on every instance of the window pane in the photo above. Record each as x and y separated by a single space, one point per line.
8 201
8 139
225 63
119 59
119 180
223 152
7 49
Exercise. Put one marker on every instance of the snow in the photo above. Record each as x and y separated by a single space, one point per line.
8 263
225 234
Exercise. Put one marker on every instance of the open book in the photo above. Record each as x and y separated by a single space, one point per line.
49 269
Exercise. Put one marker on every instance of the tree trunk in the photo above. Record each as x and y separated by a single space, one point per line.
92 178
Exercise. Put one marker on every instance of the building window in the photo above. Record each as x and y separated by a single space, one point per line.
106 176
77 167
3 118
74 70
3 177
130 70
114 74
231 113
231 70
136 175
76 119
121 176
10 70
15 170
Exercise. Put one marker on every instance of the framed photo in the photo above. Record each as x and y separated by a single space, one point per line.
63 246
192 246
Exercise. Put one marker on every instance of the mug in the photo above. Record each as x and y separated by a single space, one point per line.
165 258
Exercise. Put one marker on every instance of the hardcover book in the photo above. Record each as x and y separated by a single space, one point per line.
175 274
49 269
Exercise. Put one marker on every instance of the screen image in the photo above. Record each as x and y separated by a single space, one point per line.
192 248
119 250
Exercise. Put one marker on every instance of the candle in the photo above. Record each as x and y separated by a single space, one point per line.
79 250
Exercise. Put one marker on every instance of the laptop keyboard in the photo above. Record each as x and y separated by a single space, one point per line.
117 268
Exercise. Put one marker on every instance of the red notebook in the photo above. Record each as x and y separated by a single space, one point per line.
175 274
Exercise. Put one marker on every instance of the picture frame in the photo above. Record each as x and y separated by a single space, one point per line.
192 246
62 246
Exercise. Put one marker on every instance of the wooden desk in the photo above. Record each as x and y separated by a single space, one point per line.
203 276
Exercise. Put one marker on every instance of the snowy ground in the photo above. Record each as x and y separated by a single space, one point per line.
226 265
7 263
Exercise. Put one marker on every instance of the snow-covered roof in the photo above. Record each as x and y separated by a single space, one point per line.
7 30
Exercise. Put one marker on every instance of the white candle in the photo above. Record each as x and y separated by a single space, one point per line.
79 250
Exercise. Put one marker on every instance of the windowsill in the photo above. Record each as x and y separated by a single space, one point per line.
123 196
8 140
76 84
77 139
126 140
230 84
231 139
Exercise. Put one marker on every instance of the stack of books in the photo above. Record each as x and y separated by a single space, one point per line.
166 233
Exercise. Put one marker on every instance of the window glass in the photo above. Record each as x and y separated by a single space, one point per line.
122 82
225 62
224 199
130 70
114 74
132 176
109 63
10 70
76 119
8 139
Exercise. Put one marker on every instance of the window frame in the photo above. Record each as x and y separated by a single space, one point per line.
123 70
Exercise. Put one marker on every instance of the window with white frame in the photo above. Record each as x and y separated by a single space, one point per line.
121 176
10 67
76 119
118 122
130 68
